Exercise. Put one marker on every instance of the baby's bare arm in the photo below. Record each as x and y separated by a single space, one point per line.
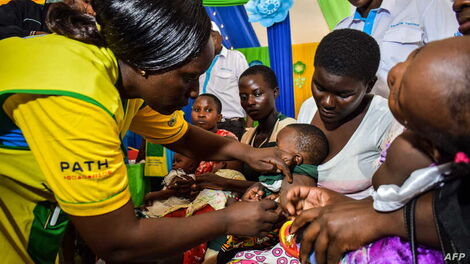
404 156
299 180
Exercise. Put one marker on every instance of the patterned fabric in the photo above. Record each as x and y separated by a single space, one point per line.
207 166
276 255
235 242
387 250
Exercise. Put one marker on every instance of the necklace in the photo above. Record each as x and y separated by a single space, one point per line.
261 143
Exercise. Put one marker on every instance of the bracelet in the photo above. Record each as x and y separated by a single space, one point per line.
233 196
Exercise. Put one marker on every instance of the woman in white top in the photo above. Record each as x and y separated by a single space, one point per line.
357 124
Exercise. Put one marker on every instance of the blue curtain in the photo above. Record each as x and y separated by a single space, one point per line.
237 32
280 54
132 139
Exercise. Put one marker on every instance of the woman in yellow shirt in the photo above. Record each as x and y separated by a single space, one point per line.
67 101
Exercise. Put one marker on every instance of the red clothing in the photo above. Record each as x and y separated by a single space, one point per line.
207 166
196 254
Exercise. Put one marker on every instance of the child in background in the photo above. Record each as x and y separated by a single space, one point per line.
207 111
309 146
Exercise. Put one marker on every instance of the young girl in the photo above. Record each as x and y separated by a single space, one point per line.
207 111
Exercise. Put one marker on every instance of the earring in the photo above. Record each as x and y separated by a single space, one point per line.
143 73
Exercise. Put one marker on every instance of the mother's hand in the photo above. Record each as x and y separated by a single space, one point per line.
300 198
336 229
270 160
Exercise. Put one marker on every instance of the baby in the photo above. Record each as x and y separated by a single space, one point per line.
177 193
176 189
309 147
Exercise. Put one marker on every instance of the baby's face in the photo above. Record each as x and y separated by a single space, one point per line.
182 162
286 141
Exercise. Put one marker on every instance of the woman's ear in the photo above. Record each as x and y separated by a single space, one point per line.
298 159
276 92
371 84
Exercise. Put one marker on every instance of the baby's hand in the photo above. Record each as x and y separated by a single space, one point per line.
182 185
272 197
254 193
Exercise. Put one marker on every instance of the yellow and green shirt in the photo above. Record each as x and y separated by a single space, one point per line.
61 125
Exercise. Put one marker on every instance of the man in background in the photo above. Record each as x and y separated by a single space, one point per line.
221 79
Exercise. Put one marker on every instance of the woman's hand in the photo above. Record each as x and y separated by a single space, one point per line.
270 160
205 145
254 193
251 218
333 230
300 198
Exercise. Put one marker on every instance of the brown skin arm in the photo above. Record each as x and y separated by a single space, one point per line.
205 145
119 236
212 181
159 195
179 186
344 226
299 180
403 157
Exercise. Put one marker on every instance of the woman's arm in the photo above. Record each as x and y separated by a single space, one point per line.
205 145
159 195
299 180
213 181
119 236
